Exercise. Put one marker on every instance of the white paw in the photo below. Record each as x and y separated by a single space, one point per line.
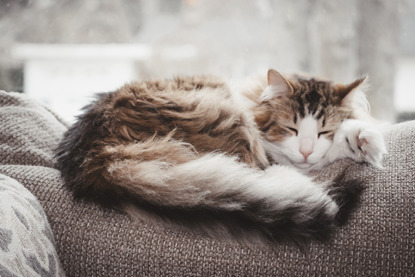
365 142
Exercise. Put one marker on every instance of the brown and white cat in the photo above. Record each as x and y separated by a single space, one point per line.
192 147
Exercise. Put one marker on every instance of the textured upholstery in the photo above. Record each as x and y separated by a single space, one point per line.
377 241
27 246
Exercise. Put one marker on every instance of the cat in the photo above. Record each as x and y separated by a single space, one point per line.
195 150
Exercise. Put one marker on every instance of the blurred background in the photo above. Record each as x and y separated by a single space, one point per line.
62 52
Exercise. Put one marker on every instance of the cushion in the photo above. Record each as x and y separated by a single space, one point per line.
91 241
27 246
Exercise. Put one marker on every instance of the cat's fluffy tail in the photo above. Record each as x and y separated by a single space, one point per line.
168 178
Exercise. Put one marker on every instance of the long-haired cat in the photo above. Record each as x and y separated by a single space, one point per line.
194 148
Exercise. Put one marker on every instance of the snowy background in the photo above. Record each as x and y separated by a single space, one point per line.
64 51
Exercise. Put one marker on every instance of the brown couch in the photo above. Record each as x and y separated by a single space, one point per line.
379 239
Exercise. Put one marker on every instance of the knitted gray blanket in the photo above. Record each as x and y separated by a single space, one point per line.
379 239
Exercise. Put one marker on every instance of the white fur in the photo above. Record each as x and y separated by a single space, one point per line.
207 181
323 151
355 133
291 151
358 101
270 92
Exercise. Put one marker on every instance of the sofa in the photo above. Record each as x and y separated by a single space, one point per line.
84 239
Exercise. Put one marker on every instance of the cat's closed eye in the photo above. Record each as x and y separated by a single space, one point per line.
293 130
323 133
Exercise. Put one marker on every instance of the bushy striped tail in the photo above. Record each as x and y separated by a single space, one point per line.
212 192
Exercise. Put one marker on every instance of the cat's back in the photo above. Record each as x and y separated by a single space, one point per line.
182 104
180 94
199 111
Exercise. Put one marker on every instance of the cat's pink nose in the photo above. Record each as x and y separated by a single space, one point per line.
306 154
306 147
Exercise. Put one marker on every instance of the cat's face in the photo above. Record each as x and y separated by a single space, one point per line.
299 118
305 143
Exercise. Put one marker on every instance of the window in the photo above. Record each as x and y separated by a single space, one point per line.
64 51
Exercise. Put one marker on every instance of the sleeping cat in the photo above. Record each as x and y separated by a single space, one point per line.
194 148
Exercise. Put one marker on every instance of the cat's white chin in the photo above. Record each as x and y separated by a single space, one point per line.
301 166
304 165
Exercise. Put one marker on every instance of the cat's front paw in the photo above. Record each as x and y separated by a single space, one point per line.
365 141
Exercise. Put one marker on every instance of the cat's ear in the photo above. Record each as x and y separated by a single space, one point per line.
354 95
343 91
277 86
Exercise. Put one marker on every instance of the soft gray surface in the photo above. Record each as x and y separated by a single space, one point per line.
27 246
378 241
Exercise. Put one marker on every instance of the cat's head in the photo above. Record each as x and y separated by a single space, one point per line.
299 116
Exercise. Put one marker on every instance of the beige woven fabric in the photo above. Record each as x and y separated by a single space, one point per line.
378 241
